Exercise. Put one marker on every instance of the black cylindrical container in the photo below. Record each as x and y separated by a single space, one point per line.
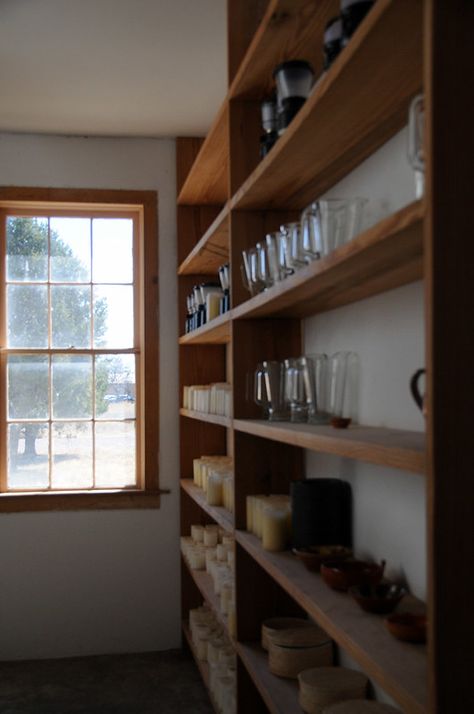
352 13
332 41
321 512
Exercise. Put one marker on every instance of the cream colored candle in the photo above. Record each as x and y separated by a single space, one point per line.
222 552
210 537
197 533
214 489
197 558
211 557
232 618
227 589
274 528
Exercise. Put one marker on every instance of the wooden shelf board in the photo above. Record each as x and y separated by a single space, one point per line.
376 76
215 332
208 181
221 515
279 694
212 250
210 418
388 447
206 587
289 29
203 667
388 255
399 668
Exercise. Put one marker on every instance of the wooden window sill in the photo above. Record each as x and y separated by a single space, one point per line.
79 500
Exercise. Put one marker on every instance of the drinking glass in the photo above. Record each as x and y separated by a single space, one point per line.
340 221
294 249
249 269
274 373
416 115
272 241
311 241
343 376
315 375
260 391
295 394
284 254
263 266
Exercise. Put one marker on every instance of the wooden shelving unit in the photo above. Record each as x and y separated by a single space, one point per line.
215 332
386 447
399 668
209 418
220 515
227 201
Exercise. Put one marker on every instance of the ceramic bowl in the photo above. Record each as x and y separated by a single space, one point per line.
348 573
381 599
407 626
314 555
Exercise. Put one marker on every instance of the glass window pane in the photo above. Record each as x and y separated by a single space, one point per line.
112 250
71 316
113 316
71 455
28 379
70 249
27 248
72 386
115 454
27 316
115 387
28 456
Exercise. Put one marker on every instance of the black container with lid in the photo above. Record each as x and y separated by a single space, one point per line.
321 512
352 13
332 41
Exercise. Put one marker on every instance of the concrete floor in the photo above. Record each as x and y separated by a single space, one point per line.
151 683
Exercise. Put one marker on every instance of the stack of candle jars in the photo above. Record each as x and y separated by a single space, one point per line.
212 645
269 518
214 474
208 398
211 548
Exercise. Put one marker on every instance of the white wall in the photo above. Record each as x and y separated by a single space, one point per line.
99 581
387 332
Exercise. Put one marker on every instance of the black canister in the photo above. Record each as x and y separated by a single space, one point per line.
321 512
352 13
332 41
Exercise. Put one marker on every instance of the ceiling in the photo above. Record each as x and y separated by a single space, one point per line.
112 67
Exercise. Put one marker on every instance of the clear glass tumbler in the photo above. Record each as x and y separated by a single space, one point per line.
340 221
416 156
295 395
274 373
343 395
316 385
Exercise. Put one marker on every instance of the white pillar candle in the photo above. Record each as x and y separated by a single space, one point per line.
274 528
211 557
210 537
214 489
232 618
197 533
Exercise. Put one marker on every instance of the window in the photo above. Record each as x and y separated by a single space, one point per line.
79 363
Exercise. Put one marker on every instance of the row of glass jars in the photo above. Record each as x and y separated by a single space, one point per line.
313 388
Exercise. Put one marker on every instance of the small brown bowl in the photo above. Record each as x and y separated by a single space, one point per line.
314 555
380 599
348 573
407 626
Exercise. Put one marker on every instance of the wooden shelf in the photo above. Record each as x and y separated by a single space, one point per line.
206 587
279 694
207 182
203 667
220 515
212 250
386 447
289 29
215 332
399 668
359 104
386 256
210 418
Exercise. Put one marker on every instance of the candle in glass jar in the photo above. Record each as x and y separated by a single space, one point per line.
274 528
